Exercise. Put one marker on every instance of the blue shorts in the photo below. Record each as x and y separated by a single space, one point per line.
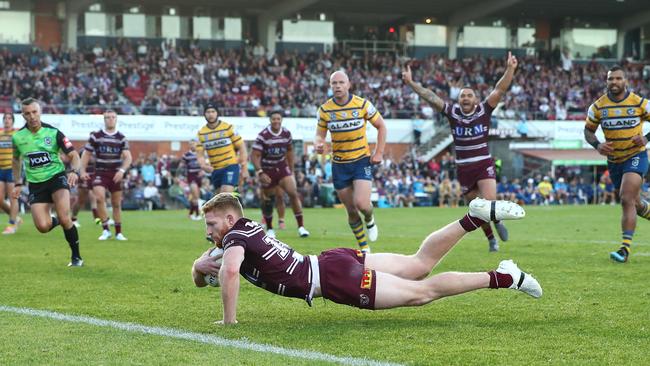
636 164
6 175
228 176
345 173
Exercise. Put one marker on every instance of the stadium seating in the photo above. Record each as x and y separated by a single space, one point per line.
178 81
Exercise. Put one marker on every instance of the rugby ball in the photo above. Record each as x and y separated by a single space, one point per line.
217 254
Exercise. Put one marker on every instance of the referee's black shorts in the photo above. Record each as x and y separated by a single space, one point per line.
42 192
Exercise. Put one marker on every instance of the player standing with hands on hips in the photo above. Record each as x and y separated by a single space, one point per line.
345 116
39 144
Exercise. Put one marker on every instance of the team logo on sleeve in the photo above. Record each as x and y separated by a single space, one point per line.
67 143
371 109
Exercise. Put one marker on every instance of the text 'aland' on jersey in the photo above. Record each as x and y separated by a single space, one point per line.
620 121
347 125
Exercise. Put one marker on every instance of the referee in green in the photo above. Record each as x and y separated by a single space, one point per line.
38 144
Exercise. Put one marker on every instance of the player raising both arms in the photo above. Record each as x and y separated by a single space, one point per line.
193 175
469 120
6 176
112 159
343 275
222 144
620 113
272 157
39 144
345 116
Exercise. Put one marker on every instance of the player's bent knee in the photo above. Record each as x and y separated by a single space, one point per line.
43 226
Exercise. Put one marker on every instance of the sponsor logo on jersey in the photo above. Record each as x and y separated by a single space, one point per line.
469 131
47 140
333 116
355 114
605 113
366 279
630 111
109 149
620 123
213 144
38 159
345 125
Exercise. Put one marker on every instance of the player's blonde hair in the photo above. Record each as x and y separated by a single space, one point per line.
222 202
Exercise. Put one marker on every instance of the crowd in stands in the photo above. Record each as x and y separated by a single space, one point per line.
167 80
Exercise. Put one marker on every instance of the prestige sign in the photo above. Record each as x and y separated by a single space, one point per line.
184 128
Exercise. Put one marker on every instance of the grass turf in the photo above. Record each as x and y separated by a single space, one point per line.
593 311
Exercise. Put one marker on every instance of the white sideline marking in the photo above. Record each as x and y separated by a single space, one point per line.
196 337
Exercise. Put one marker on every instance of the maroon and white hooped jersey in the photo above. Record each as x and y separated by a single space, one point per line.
269 263
470 132
274 146
107 149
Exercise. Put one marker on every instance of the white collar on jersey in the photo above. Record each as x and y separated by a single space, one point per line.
273 133
110 134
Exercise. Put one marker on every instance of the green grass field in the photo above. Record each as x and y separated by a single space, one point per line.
593 311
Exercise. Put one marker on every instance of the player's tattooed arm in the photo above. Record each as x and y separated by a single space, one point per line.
604 148
424 93
504 83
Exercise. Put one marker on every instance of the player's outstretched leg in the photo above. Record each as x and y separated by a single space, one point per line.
437 244
519 280
495 210
393 291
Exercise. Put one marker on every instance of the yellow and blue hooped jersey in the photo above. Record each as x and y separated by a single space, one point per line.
220 144
6 149
620 121
347 124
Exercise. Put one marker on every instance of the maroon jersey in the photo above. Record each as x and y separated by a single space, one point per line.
273 146
191 163
269 263
470 132
107 149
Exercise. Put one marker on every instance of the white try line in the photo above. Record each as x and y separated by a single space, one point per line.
196 337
